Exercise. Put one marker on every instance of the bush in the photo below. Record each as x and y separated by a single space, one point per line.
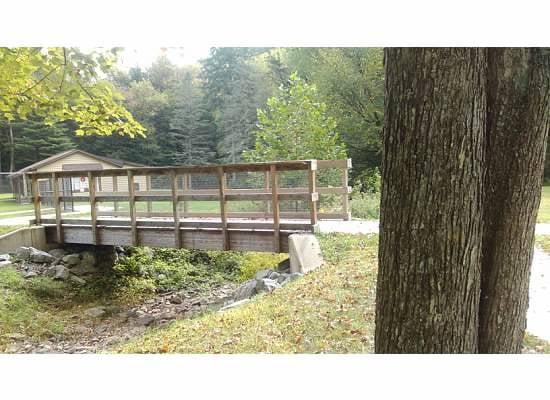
253 262
365 205
368 181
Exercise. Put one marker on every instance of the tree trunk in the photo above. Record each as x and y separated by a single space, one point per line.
12 148
518 119
430 225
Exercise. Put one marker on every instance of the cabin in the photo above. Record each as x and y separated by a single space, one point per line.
72 160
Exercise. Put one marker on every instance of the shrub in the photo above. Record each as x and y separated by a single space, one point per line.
253 262
365 205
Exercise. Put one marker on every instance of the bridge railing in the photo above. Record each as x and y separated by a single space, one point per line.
183 196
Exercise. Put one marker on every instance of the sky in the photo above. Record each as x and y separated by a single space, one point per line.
144 56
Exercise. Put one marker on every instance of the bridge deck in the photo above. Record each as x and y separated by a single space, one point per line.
260 225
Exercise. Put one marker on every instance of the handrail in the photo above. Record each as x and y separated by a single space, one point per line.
270 192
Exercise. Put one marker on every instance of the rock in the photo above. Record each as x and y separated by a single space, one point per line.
83 269
61 273
246 290
235 304
5 260
304 252
87 260
71 259
176 300
290 278
77 280
274 275
145 320
30 274
23 253
51 271
95 312
264 273
266 285
39 256
284 266
282 278
58 253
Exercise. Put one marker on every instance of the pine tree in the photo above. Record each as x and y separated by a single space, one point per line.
191 127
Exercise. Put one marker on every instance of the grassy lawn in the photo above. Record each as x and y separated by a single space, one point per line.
328 311
544 209
8 228
8 204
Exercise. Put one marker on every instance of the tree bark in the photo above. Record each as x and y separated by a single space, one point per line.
518 120
430 224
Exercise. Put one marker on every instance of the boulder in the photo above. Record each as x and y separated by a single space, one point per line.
88 259
61 272
58 253
95 312
246 290
39 256
266 285
51 271
23 253
264 273
304 252
71 259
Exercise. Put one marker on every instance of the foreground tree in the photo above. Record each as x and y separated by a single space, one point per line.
518 119
430 222
464 145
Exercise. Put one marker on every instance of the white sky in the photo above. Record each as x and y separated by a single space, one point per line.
144 56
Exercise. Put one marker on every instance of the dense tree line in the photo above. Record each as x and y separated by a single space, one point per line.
208 113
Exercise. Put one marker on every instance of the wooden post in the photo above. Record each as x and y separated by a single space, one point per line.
275 208
313 193
175 210
185 189
115 190
266 188
148 189
132 203
223 209
345 196
58 226
93 206
36 199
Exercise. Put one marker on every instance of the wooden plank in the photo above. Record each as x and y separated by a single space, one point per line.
115 189
249 225
132 203
57 206
175 210
275 208
148 188
345 198
223 204
313 201
36 199
93 206
180 170
185 189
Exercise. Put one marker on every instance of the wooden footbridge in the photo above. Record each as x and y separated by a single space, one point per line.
253 206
